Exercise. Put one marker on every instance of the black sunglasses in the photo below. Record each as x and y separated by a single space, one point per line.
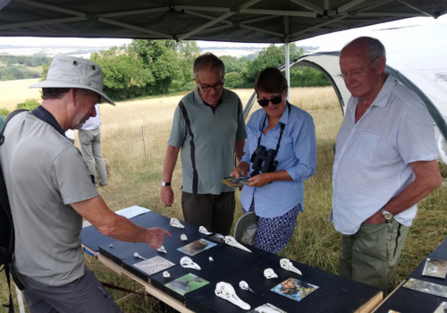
275 100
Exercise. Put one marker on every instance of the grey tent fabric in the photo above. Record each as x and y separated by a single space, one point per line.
257 21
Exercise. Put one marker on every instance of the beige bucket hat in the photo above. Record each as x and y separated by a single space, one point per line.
71 72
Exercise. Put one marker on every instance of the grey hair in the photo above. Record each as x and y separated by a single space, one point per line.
208 59
374 48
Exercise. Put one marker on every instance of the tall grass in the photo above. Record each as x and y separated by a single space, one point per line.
136 169
16 91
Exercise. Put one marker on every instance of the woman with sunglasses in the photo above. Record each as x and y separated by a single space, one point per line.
280 154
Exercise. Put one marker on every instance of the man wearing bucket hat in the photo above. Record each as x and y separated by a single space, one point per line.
50 191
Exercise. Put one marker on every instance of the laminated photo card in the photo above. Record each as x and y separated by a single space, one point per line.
267 308
294 289
442 308
426 287
187 283
154 265
435 268
196 247
236 181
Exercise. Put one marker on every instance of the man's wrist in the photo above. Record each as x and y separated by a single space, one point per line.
165 184
387 215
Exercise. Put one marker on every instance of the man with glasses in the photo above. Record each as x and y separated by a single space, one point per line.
385 163
209 129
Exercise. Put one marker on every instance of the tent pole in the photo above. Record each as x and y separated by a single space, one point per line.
287 68
287 52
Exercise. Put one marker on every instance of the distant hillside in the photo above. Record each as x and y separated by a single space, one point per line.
250 52
21 67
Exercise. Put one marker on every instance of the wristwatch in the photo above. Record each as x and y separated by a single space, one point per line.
387 215
164 184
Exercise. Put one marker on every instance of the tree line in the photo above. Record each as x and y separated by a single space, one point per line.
157 67
17 67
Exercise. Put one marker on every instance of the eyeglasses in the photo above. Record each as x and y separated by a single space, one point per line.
357 73
353 74
274 100
208 88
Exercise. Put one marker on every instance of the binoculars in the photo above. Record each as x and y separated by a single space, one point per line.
263 160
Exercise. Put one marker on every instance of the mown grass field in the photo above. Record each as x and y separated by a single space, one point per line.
137 169
16 91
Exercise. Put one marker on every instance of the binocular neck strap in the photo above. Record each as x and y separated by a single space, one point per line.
280 134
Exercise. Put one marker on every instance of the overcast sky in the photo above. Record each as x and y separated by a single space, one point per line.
316 41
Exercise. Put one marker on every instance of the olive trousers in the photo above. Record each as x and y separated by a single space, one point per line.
371 255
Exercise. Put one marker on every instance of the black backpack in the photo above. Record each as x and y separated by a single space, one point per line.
7 228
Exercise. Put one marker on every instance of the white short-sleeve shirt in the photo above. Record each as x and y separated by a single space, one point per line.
372 157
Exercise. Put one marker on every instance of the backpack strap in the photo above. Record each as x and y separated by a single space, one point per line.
9 267
10 116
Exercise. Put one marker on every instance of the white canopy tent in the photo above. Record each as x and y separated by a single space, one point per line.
415 59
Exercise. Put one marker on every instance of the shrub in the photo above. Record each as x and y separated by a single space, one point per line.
4 112
29 104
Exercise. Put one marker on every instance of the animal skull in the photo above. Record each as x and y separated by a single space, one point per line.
183 237
176 223
269 273
288 266
226 291
166 274
162 249
137 255
203 230
232 242
186 262
244 286
211 259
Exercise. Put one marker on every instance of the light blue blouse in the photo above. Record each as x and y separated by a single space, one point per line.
297 155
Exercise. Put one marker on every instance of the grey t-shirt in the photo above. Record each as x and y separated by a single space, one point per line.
44 173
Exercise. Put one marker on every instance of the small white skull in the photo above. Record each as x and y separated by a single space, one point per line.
269 273
211 259
226 291
183 237
232 242
176 223
244 286
203 230
288 266
137 255
188 263
166 274
162 249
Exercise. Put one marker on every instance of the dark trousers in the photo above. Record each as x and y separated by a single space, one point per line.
214 212
84 295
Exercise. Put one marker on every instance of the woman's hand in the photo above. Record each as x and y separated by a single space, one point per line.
263 179
241 169
260 180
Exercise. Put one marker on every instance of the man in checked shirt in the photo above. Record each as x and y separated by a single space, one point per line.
385 163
